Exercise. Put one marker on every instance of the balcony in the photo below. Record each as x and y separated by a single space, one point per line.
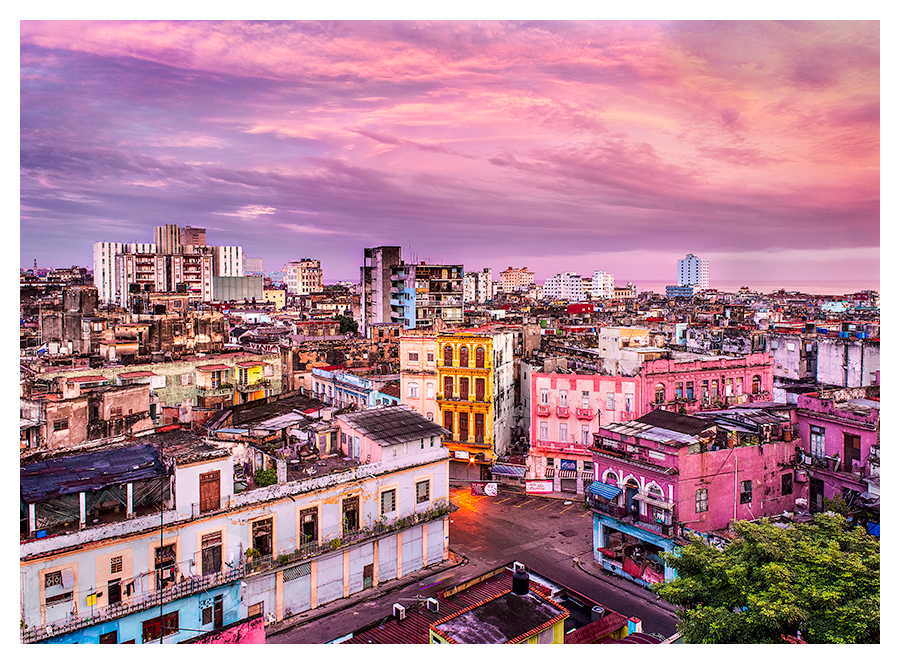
438 510
627 417
562 412
219 390
253 387
556 446
543 410
184 588
646 522
584 413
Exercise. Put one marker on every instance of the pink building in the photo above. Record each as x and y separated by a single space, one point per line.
665 475
567 412
839 432
418 374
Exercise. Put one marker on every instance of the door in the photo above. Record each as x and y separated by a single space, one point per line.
368 576
113 592
217 612
816 495
851 451
110 637
209 491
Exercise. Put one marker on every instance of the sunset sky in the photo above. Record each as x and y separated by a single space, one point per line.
560 146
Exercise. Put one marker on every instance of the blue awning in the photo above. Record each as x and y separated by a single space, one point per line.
512 471
608 491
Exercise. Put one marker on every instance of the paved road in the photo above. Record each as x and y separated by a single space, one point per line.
555 540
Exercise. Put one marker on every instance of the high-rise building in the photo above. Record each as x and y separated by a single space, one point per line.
478 286
252 265
564 286
167 239
375 285
303 277
602 285
164 273
425 292
228 261
514 279
105 265
194 238
693 271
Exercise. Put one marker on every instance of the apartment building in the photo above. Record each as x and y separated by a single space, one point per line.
564 286
478 286
422 293
227 261
515 279
105 265
419 375
602 285
375 285
163 273
303 277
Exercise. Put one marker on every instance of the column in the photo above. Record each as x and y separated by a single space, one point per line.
375 563
129 509
279 595
82 520
425 543
32 519
346 566
399 554
313 584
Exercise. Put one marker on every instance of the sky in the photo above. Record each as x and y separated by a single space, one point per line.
554 145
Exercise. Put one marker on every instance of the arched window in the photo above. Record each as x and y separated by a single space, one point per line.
611 478
464 356
756 385
659 393
448 355
479 357
448 387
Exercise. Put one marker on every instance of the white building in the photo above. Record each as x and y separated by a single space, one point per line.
303 277
168 239
514 279
105 265
564 286
602 285
228 262
478 286
693 271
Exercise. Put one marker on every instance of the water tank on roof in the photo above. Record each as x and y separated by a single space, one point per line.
597 612
520 580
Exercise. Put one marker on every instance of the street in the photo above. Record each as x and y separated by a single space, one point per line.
547 535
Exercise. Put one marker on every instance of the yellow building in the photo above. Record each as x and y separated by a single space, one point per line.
465 398
277 296
251 382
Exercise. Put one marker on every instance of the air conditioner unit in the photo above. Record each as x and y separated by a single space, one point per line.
399 611
432 604
518 567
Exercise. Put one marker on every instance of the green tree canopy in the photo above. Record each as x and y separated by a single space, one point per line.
820 578
347 324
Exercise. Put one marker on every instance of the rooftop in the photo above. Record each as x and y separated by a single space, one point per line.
391 425
505 618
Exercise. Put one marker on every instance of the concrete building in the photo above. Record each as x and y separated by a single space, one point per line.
231 289
167 239
478 286
105 265
163 273
422 293
848 362
227 261
375 285
303 277
418 374
192 239
602 285
252 265
515 279
693 271
564 286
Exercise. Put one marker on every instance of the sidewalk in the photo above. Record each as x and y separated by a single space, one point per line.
366 595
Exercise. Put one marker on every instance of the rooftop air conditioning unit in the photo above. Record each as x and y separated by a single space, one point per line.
399 611
432 604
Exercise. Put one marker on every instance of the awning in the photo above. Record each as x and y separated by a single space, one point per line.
588 475
550 472
607 491
512 471
568 474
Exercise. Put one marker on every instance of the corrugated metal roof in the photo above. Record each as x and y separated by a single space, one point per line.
213 367
598 630
390 425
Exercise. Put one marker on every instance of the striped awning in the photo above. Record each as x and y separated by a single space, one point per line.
511 471
607 491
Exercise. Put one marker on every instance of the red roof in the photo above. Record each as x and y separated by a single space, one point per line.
250 363
598 630
86 379
136 374
213 367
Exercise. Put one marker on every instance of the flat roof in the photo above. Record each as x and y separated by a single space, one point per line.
505 618
390 425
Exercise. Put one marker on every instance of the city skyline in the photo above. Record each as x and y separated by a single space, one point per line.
560 146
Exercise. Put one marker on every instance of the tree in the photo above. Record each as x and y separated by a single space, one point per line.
819 579
347 324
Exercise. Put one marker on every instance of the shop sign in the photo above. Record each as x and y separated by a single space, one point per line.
461 454
568 464
539 486
484 488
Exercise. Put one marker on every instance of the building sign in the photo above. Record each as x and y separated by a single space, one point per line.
539 486
659 456
461 454
568 464
484 488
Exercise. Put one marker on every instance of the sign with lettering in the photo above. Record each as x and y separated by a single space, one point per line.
484 488
461 454
568 464
539 486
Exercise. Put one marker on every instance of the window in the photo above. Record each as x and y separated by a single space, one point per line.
689 391
545 396
563 432
262 536
817 441
187 378
52 579
413 390
756 385
585 435
610 401
388 501
61 424
430 358
423 491
115 565
659 393
309 525
585 400
429 390
430 416
704 390
791 346
161 626
350 509
543 431
611 478
479 357
550 462
209 491
255 610
679 389
746 491
463 426
448 355
464 356
588 466
701 500
563 399
787 484
164 564
629 403
211 553
448 420
739 385
479 427
448 387
413 357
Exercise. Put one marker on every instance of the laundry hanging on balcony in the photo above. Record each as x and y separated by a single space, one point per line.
607 491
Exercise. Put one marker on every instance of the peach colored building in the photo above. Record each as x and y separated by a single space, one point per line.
418 374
